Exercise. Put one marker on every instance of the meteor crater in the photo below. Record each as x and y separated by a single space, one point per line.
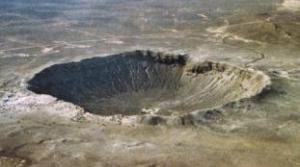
135 82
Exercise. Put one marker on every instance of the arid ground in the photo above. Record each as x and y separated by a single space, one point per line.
241 104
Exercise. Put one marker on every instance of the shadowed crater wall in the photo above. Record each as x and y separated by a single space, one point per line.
134 82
